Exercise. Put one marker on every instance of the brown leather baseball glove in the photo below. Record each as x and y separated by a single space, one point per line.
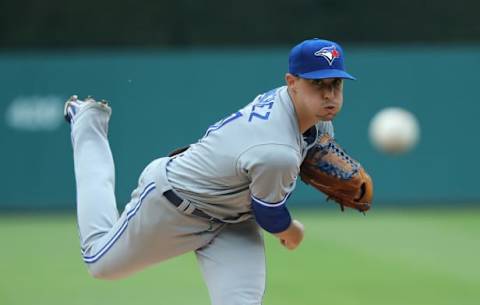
330 170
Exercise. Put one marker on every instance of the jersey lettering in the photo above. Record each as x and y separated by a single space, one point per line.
258 115
222 123
261 109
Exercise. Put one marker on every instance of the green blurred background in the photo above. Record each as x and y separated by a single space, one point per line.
172 68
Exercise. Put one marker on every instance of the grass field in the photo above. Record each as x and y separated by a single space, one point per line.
386 258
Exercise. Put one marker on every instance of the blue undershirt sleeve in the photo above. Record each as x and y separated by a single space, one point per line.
274 218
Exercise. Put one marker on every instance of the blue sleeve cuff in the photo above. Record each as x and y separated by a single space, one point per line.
274 218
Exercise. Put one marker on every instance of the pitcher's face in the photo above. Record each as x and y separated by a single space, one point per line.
323 98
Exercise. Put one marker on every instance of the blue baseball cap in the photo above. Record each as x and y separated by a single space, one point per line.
317 59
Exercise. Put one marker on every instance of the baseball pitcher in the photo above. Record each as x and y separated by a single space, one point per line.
217 196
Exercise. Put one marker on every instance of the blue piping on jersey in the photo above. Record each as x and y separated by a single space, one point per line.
273 204
93 258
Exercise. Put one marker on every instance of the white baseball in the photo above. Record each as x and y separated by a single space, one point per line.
394 130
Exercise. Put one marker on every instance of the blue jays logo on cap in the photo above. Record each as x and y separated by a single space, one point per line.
317 59
329 53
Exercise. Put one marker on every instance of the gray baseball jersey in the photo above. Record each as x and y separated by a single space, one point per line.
257 151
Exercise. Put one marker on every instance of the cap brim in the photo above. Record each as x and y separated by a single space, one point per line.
330 73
